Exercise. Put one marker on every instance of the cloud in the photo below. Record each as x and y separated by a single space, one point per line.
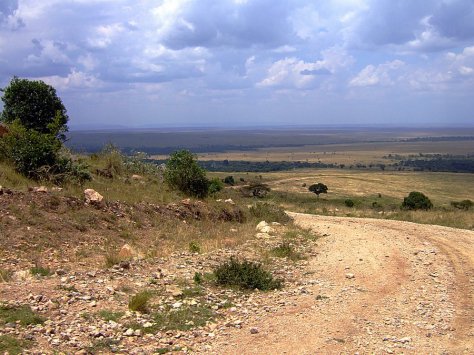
209 23
293 72
373 75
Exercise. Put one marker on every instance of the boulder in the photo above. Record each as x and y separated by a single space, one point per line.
264 227
40 189
137 177
126 252
92 196
22 275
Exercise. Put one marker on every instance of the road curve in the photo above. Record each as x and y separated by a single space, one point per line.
382 286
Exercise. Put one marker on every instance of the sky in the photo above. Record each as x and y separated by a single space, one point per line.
144 63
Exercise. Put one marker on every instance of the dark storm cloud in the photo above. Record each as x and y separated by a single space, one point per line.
455 19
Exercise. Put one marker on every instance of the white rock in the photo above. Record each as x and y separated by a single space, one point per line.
229 200
261 225
92 196
350 276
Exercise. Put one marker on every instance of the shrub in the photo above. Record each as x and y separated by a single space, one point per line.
194 247
318 189
269 212
462 205
416 201
229 180
215 186
139 302
245 275
40 156
349 203
183 173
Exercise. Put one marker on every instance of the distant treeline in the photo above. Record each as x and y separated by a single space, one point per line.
438 139
455 165
256 166
463 164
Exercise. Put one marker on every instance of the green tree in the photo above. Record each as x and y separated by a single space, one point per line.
416 201
35 105
318 189
183 173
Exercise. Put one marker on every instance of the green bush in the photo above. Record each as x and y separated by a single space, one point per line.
29 150
349 203
229 180
183 173
416 201
245 275
269 212
318 188
462 205
215 186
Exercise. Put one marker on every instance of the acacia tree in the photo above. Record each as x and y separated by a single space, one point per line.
35 105
318 189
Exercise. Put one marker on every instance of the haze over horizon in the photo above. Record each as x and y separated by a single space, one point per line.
236 63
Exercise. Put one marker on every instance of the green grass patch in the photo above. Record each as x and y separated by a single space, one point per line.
21 314
245 275
12 346
184 318
269 212
40 271
286 250
109 315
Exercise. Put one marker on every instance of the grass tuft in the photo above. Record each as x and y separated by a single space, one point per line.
40 271
139 302
269 212
286 250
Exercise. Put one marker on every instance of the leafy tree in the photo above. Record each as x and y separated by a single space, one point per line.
416 201
36 106
183 173
318 189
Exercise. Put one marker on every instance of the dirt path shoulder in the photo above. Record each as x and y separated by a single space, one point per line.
375 286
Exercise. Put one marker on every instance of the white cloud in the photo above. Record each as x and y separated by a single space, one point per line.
292 72
74 80
373 75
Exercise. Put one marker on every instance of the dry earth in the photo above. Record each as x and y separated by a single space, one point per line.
376 286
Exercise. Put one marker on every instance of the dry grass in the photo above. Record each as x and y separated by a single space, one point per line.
442 188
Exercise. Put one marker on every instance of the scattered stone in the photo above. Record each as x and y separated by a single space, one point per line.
350 276
253 330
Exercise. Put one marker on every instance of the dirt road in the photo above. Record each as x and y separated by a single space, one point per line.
375 286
